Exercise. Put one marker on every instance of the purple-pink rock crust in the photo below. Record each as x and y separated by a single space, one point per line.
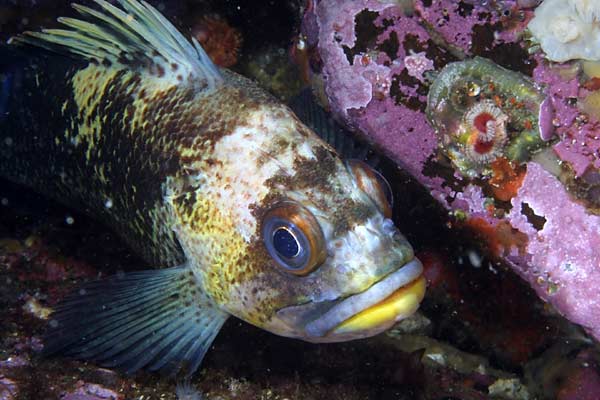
381 94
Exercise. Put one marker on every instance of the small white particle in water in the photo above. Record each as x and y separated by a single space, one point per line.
82 292
4 201
108 203
474 258
53 323
25 21
8 141
69 220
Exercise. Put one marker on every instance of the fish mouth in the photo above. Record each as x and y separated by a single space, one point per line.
393 298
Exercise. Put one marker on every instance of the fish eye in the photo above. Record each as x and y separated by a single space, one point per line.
293 238
374 184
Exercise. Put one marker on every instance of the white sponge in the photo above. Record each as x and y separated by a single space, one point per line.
568 29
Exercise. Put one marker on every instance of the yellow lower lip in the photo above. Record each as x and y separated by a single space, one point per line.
401 303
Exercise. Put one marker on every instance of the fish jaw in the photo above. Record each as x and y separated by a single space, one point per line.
400 304
364 314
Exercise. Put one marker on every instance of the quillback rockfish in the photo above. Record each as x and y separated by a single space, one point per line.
242 209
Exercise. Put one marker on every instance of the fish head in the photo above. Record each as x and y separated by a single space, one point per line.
343 282
310 251
343 269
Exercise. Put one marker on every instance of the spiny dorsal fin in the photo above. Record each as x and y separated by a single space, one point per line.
133 36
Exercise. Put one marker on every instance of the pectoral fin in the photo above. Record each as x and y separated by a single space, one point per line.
156 319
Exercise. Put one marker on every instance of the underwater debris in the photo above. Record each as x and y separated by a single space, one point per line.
33 307
482 111
509 389
567 29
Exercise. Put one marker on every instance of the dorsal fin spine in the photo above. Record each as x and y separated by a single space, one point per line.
101 35
106 20
128 36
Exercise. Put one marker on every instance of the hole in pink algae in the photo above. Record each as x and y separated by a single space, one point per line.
366 34
537 221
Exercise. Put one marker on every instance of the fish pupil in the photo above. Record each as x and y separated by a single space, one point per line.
285 243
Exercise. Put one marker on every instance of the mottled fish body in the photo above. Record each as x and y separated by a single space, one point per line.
106 140
242 208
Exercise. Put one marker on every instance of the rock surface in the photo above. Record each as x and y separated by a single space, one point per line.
536 208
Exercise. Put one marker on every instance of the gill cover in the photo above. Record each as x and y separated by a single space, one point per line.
374 184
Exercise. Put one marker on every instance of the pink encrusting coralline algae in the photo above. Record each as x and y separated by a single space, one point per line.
564 253
449 91
363 81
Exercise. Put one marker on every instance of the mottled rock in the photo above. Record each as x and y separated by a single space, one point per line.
536 202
